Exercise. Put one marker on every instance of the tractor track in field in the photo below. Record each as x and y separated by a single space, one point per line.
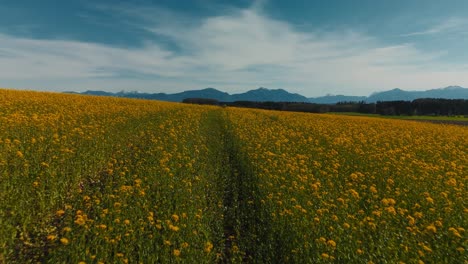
246 223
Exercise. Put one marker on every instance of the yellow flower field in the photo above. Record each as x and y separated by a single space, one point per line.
355 189
109 180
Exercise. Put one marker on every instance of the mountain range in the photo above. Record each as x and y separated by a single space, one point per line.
279 95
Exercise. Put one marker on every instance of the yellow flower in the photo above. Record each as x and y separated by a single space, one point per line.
354 193
126 221
60 213
64 241
235 249
451 182
455 232
391 210
331 243
431 228
80 220
208 247
377 213
426 248
418 215
174 228
176 252
388 201
51 237
175 217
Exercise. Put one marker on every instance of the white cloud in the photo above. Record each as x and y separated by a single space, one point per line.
240 50
453 25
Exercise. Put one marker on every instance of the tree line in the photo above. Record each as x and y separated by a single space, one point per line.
427 106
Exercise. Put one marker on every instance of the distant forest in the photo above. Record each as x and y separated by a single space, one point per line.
432 107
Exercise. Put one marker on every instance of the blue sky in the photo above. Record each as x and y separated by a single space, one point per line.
309 47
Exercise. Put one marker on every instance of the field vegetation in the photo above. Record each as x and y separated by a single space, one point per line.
460 118
108 180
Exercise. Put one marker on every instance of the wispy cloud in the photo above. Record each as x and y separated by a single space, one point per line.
241 49
453 25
